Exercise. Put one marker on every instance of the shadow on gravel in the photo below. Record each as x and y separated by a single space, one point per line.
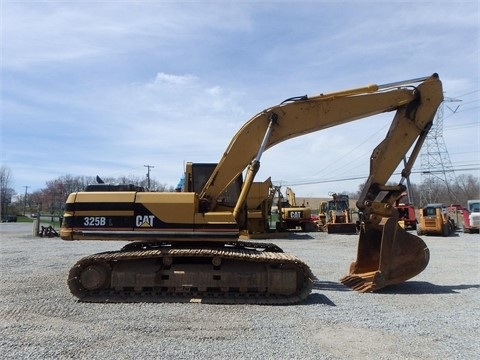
406 288
329 285
422 287
315 298
299 236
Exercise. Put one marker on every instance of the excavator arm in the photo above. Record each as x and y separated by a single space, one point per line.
290 196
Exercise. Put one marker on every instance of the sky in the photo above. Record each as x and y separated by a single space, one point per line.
104 88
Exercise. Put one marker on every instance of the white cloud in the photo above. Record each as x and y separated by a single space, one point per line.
183 80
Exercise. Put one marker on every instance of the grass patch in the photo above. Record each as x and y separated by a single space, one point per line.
24 219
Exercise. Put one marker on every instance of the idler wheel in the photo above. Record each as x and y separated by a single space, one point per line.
95 276
167 260
217 261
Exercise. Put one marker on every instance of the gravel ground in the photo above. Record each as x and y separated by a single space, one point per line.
433 316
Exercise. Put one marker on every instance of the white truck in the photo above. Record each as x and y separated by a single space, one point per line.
471 217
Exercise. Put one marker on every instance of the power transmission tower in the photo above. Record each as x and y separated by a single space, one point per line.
435 161
148 175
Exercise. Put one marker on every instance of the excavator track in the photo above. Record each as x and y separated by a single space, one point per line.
231 273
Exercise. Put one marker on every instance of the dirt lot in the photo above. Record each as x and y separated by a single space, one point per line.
435 315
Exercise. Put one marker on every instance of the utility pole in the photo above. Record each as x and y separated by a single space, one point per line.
148 175
25 200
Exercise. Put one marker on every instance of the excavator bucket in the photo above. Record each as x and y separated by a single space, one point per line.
386 255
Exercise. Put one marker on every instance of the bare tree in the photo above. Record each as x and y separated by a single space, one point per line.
6 190
467 188
53 196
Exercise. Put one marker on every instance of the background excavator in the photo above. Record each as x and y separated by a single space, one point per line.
292 216
184 246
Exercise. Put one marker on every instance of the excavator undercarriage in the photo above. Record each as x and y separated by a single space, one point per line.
230 273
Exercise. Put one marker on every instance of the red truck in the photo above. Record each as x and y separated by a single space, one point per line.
406 213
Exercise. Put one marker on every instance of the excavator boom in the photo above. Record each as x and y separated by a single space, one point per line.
305 115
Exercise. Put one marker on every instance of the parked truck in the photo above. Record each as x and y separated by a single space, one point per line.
471 217
406 212
455 211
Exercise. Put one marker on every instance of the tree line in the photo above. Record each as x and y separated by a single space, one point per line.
52 197
432 191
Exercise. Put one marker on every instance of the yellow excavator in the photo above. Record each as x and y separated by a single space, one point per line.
292 216
184 246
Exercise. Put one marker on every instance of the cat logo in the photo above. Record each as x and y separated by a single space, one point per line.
295 214
144 220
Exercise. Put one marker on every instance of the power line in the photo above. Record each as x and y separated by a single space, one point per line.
364 177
